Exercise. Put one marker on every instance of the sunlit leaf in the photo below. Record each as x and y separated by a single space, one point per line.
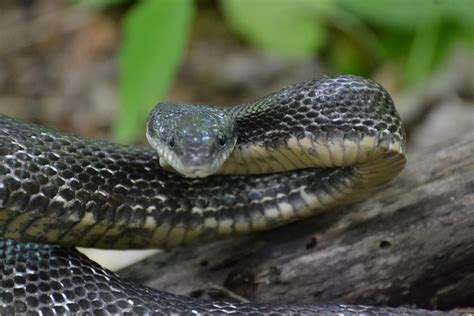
461 12
287 27
422 54
155 35
100 4
396 14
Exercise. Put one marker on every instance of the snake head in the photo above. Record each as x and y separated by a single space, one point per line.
194 140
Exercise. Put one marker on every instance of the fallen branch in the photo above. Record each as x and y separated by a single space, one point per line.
410 244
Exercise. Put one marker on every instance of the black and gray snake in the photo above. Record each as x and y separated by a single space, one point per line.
294 153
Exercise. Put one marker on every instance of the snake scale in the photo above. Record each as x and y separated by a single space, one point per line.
296 152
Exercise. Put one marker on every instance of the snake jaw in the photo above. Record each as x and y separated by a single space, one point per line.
193 141
192 163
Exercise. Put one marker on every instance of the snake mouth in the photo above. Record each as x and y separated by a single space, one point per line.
197 167
200 173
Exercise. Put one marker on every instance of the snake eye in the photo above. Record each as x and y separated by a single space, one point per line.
171 142
222 140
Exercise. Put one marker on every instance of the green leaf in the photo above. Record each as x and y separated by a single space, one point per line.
155 35
287 27
461 12
345 58
422 54
397 14
99 4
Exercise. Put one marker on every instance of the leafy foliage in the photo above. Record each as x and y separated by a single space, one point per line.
155 34
411 32
99 4
417 33
353 36
293 28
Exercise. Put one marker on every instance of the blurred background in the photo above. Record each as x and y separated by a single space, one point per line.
96 67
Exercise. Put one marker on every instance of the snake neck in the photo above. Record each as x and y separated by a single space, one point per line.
344 121
342 135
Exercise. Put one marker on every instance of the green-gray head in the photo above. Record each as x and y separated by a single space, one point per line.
194 140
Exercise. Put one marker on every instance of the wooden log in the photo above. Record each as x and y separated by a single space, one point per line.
410 244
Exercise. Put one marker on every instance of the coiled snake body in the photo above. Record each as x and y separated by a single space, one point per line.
317 144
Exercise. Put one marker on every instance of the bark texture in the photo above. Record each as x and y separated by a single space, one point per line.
410 244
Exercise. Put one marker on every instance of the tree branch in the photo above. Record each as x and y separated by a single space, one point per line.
411 244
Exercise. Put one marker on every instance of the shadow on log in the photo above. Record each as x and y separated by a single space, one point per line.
410 244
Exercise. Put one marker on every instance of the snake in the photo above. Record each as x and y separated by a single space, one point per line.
210 173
